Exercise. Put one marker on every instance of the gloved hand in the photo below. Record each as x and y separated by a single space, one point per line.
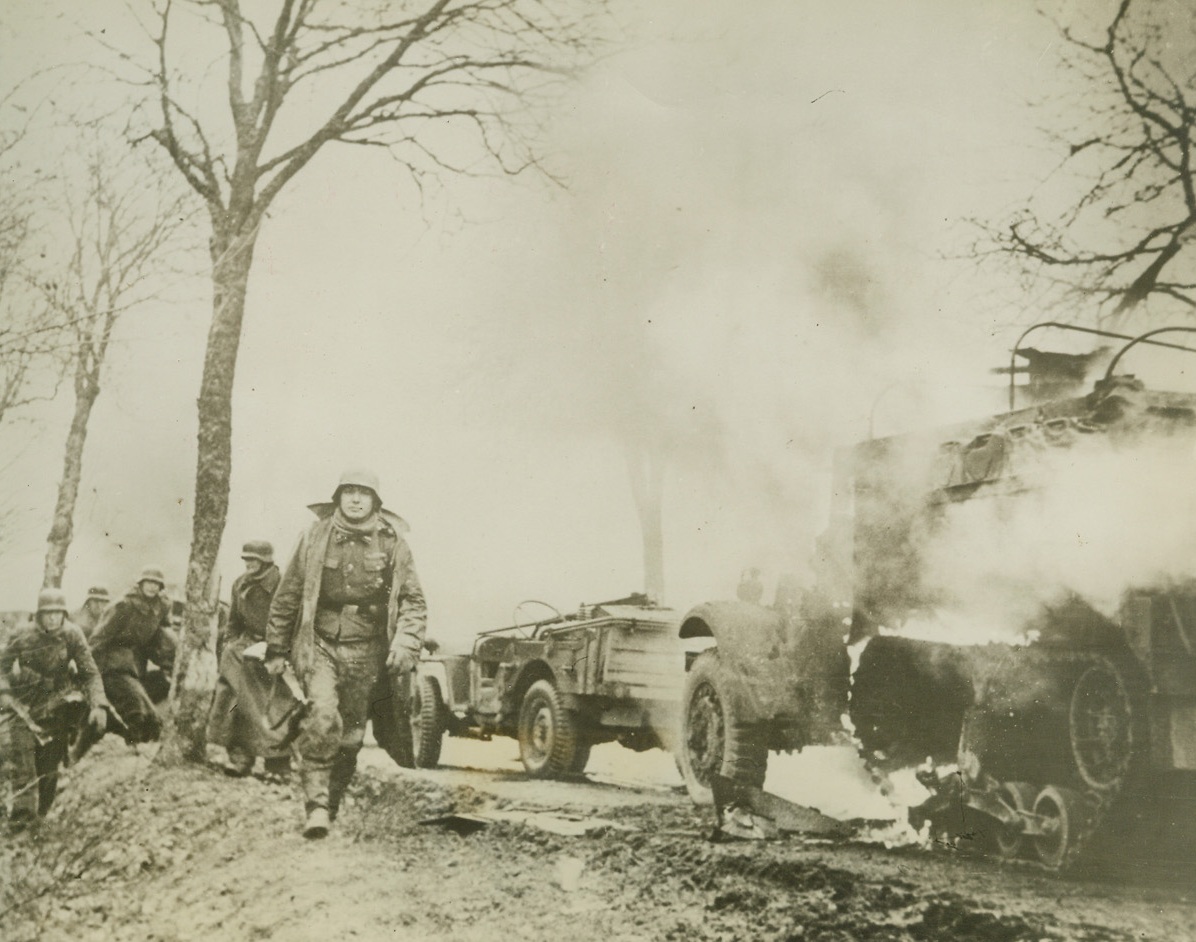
275 664
98 718
401 660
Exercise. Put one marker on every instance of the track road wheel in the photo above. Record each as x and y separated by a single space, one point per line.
547 732
1009 842
714 740
427 723
1060 813
1101 726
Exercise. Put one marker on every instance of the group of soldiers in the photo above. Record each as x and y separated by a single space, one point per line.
347 613
64 680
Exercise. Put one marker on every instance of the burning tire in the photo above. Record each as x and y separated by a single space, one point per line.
714 739
427 723
548 743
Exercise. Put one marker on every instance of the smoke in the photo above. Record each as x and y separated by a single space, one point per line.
1100 517
745 262
743 273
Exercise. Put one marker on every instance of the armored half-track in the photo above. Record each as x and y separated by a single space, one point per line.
1039 725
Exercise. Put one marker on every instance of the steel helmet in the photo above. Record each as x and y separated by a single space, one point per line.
97 592
258 549
151 574
51 600
358 477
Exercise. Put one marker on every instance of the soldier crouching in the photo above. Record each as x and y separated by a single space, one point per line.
131 634
40 702
349 604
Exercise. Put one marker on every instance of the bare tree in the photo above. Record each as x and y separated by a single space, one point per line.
119 224
21 335
447 86
29 369
1116 223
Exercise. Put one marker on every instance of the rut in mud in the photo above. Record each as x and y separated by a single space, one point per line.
138 852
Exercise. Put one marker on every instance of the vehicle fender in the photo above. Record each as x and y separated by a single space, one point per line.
517 683
437 672
750 643
438 669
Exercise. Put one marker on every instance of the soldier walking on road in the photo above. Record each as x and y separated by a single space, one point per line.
133 633
234 721
92 610
39 703
349 605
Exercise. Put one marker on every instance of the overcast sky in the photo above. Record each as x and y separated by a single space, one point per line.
749 255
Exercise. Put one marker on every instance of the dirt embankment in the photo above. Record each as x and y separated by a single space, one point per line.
136 852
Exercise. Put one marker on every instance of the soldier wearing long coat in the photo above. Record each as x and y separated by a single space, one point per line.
349 605
132 634
234 721
43 667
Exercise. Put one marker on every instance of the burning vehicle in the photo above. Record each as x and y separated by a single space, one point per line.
609 671
1047 700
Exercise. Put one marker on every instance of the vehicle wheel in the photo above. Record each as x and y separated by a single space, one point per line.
713 737
1060 814
1100 726
427 723
547 732
1009 842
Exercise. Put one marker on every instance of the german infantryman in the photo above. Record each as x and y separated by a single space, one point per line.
349 605
37 697
236 720
133 633
88 616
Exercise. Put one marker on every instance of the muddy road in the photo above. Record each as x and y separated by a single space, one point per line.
477 851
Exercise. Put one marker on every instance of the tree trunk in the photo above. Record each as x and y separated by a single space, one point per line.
645 468
62 528
195 663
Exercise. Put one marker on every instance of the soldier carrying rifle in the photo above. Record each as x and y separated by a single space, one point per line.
40 703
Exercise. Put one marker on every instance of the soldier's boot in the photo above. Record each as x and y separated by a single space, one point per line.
343 767
278 768
315 795
240 763
317 823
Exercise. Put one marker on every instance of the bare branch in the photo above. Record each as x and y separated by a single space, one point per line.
1126 226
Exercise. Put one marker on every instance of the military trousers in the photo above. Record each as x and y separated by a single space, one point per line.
338 684
129 698
32 766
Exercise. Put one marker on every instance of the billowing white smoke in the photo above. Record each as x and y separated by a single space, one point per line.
1097 520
